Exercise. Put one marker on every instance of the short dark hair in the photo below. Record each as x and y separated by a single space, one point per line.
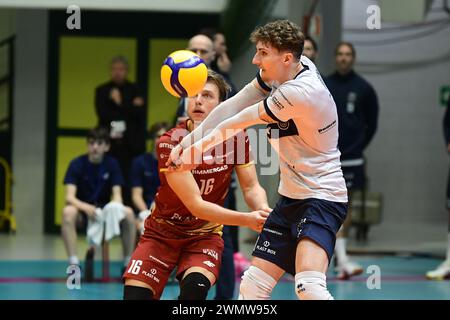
283 35
209 32
348 44
219 81
157 126
313 42
98 134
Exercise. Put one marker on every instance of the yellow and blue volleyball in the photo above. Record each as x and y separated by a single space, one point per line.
184 73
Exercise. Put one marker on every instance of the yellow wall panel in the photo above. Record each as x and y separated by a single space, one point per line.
84 64
162 106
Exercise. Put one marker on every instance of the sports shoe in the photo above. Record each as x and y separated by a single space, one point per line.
441 272
89 266
348 269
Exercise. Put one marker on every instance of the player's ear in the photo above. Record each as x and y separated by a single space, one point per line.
288 57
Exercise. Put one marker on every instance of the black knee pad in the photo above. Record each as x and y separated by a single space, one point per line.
137 293
194 286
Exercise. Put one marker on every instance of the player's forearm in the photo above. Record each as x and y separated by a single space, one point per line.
246 97
74 201
256 198
139 203
212 212
117 194
222 132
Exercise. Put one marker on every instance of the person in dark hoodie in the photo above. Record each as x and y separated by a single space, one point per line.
357 107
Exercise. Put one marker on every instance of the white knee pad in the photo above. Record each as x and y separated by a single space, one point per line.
311 285
256 285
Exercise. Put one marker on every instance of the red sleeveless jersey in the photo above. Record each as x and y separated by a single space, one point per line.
213 178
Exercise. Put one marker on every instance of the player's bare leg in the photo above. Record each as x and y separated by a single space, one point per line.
128 234
345 268
311 264
69 233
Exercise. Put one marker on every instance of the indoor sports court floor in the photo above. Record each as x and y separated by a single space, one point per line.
34 268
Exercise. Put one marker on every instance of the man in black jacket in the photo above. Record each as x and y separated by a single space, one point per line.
357 107
120 109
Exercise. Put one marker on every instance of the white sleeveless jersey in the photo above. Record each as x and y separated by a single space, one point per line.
307 137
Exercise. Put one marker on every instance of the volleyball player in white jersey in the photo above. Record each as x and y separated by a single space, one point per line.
289 95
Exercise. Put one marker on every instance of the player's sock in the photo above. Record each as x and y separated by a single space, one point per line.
137 293
341 252
74 260
312 285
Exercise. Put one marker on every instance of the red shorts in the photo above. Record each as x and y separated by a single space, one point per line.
162 248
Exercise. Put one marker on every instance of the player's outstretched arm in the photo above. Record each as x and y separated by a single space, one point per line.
248 96
222 132
185 187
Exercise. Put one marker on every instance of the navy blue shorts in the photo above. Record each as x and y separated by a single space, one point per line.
292 220
354 177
